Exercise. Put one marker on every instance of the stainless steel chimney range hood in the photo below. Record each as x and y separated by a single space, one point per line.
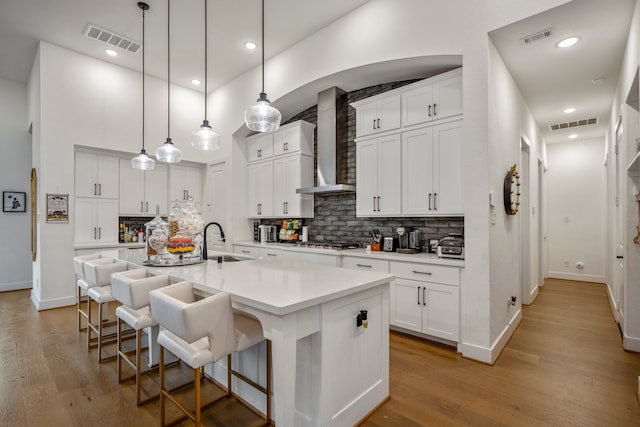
332 144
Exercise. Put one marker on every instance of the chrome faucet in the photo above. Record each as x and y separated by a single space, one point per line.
204 245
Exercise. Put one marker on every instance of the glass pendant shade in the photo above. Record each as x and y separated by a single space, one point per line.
262 117
205 138
168 153
142 161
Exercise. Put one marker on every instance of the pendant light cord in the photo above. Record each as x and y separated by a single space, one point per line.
205 59
143 13
168 70
262 46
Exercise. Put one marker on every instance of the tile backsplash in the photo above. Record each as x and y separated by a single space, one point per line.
335 214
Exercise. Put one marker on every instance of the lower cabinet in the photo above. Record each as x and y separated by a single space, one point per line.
418 303
96 220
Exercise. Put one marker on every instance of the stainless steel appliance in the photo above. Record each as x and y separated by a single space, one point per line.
451 246
267 233
414 240
389 244
404 241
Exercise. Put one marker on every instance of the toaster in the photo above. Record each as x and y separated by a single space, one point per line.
451 246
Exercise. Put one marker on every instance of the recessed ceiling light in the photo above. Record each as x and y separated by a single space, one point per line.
569 110
573 136
568 42
111 52
250 45
195 82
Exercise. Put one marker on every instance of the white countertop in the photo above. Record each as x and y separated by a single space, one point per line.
422 257
277 287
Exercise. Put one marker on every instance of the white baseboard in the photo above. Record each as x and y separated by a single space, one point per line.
51 303
15 286
490 355
631 343
575 276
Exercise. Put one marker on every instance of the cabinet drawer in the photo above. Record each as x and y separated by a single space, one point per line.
247 250
367 264
269 253
426 272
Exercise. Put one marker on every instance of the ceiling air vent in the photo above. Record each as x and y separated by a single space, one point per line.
111 38
573 124
540 35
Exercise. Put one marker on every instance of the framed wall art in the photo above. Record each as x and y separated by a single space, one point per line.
14 201
57 207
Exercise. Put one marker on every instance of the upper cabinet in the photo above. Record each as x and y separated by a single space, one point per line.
96 175
377 114
260 146
185 182
293 138
432 99
142 192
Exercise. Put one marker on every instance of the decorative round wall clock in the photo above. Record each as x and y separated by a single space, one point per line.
512 191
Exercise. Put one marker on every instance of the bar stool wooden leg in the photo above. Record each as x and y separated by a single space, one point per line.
162 389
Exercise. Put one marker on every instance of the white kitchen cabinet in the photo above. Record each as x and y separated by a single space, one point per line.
366 264
377 114
261 189
260 146
432 170
185 182
96 220
293 138
96 175
290 173
378 176
419 303
432 99
142 191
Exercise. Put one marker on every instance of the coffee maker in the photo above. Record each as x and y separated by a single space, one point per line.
407 241
414 240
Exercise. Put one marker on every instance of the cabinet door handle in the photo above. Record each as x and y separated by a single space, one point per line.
245 252
272 254
429 201
99 233
378 203
378 123
147 206
95 189
141 210
374 124
419 294
424 295
95 233
428 273
434 110
429 110
435 207
374 203
99 189
363 265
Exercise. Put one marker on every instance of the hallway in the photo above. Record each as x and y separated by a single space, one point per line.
564 366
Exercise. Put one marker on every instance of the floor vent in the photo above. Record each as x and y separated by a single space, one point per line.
537 36
573 124
112 39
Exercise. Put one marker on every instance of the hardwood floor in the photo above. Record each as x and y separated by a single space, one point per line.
564 366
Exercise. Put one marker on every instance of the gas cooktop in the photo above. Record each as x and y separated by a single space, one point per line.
326 244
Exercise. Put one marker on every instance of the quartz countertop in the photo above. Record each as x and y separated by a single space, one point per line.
422 257
277 287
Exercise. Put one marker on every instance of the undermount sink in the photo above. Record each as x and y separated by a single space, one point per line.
232 258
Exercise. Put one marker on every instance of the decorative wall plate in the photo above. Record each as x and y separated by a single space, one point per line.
512 191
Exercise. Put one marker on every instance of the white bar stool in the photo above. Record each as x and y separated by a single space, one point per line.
131 288
199 332
98 277
82 285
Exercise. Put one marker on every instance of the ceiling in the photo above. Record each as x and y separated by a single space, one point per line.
552 79
549 78
230 24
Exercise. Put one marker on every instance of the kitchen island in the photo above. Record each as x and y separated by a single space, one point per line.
326 370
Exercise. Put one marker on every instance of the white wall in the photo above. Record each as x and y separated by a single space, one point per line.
15 175
631 253
510 121
577 210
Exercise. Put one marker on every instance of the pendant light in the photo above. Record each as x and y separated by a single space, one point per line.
142 161
168 152
205 138
262 117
